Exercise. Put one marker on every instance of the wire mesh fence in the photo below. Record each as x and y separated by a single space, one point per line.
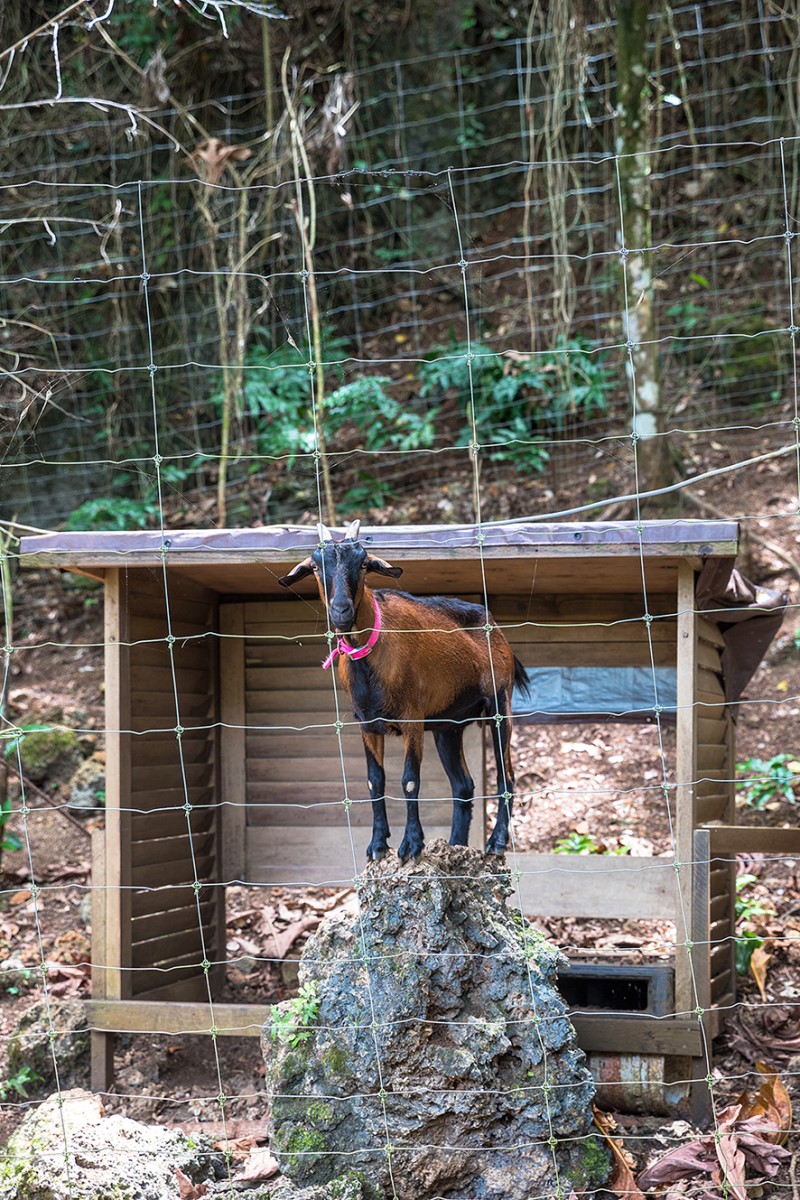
421 271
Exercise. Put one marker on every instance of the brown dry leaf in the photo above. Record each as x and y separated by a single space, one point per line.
724 1155
20 897
260 1165
772 1032
188 1190
771 1104
211 158
73 946
280 942
622 1181
732 1162
63 979
758 967
238 1148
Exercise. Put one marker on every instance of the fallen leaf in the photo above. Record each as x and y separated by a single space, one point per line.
238 1148
772 1032
212 157
621 1181
759 961
771 1104
20 897
260 1165
188 1190
279 943
724 1155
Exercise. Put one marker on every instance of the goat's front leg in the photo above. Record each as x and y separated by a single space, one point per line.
376 780
413 837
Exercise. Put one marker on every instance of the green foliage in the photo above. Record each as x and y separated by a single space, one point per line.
113 512
277 398
586 843
13 981
770 779
747 907
291 1024
382 421
8 840
518 402
18 1084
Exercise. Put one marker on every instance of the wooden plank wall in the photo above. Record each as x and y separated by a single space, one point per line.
588 631
166 947
716 802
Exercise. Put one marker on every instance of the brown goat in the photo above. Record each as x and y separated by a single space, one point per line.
409 664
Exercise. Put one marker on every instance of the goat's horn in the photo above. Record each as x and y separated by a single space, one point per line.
352 531
325 535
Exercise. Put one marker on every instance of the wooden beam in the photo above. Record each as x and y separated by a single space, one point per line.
753 839
596 1032
162 1016
637 1035
685 817
594 885
115 954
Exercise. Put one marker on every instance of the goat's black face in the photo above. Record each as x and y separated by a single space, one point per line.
340 568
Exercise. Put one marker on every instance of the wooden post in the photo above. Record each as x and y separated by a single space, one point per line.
102 1043
685 797
232 740
116 954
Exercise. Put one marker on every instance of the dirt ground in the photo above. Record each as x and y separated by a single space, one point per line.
593 781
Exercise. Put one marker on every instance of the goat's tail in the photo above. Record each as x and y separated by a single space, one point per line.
521 682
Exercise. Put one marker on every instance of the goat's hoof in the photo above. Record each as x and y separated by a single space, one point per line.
410 849
496 848
376 853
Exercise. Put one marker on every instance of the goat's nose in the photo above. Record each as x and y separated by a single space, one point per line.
342 616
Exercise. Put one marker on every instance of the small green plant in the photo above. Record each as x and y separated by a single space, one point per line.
291 1025
8 840
518 403
113 513
769 779
586 843
18 1084
747 907
15 980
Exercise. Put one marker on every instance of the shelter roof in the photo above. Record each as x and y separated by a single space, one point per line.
516 557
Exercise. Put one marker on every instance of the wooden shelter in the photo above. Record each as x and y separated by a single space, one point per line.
220 720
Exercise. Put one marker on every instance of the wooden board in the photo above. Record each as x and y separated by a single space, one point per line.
595 1033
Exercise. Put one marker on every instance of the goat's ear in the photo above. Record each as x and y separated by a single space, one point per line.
383 568
297 573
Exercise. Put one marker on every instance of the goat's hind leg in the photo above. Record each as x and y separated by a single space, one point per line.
413 841
450 747
501 740
376 780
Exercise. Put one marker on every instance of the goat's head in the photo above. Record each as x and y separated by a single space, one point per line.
340 569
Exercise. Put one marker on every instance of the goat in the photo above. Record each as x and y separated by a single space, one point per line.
408 664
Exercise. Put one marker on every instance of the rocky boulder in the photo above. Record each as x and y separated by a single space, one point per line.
58 1028
106 1158
429 1047
87 786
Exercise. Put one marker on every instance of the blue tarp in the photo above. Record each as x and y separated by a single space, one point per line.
604 691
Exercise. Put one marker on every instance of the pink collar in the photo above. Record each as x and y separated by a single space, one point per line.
342 647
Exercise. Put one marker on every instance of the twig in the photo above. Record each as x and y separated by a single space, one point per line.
59 808
56 20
